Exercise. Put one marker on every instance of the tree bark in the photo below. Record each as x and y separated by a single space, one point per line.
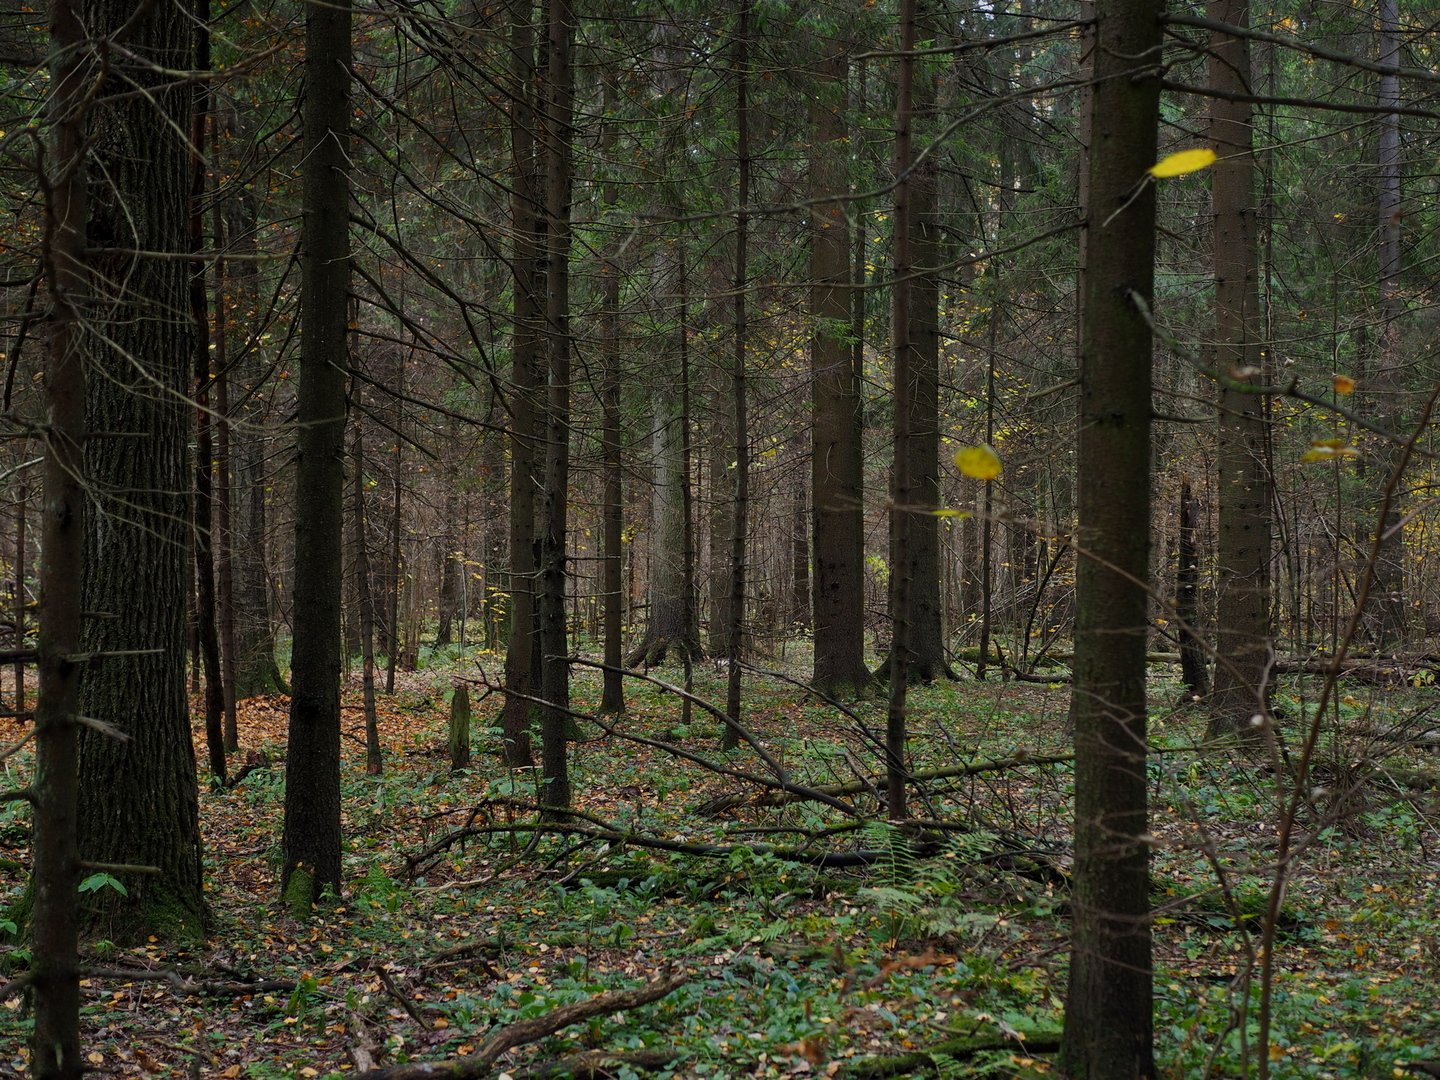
527 223
312 783
612 511
54 923
555 665
837 501
1109 1030
1242 617
138 799
1388 622
374 760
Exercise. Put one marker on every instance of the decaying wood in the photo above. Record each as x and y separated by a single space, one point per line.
523 1032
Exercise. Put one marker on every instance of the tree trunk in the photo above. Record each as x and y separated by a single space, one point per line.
738 387
312 783
527 226
836 469
1109 1030
54 923
1242 616
374 760
901 326
138 800
203 536
555 666
1194 672
256 671
612 511
1387 623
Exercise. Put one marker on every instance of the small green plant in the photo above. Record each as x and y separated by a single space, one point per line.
96 882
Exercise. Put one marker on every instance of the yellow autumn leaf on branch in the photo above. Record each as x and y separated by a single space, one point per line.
980 462
1330 450
1343 384
1182 162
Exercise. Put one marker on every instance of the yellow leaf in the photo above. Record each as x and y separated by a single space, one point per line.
950 512
1343 384
1182 162
1329 450
980 462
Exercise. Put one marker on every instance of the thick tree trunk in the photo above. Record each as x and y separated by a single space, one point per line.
138 800
836 469
1109 1030
1242 617
312 782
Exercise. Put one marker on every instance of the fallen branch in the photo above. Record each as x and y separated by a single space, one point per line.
596 829
181 985
870 784
923 1063
523 1032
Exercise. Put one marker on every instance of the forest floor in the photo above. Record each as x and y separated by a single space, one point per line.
950 949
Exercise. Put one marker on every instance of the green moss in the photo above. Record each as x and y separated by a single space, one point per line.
299 893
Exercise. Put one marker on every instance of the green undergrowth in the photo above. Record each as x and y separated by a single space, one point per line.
941 951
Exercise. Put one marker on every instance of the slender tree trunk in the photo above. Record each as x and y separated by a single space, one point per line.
527 226
837 499
1388 621
138 797
612 512
1242 616
1194 672
54 923
312 783
555 669
224 489
206 609
374 760
22 495
1109 1032
901 326
397 568
738 387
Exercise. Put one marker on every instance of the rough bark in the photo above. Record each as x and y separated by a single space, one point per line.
54 926
1109 1030
374 760
138 800
612 512
312 784
555 663
521 671
1387 622
836 468
256 671
1242 616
